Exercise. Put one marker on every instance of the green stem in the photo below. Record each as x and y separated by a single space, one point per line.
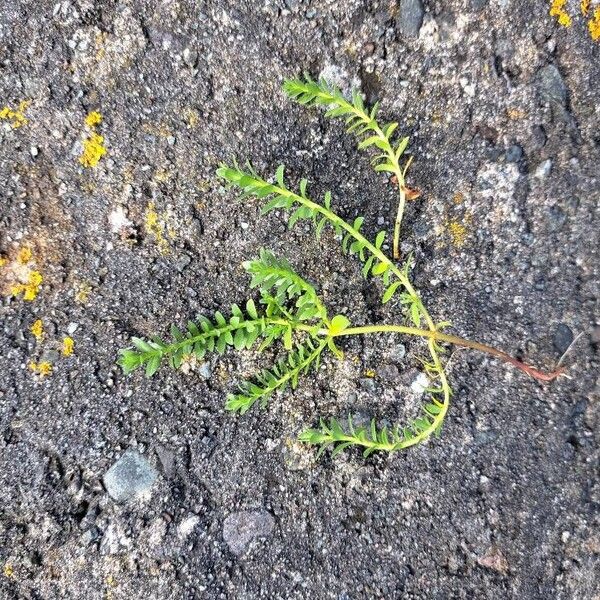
438 336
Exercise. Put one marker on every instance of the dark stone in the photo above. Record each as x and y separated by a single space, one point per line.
367 384
556 219
514 153
551 85
563 337
539 137
388 372
410 17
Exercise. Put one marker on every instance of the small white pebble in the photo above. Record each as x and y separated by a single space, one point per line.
244 225
420 384
33 151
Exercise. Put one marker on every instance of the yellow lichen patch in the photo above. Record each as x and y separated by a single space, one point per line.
82 292
8 570
93 150
3 261
458 233
93 119
157 226
37 329
594 25
370 373
30 289
67 346
585 7
25 255
17 116
42 368
557 9
93 145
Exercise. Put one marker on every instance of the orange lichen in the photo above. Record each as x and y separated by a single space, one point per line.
67 346
557 9
17 116
25 255
93 145
93 119
30 289
515 113
585 7
93 150
458 233
37 329
594 25
42 368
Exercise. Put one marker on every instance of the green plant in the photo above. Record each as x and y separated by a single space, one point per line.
290 312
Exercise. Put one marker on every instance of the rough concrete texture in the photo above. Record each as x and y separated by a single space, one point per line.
501 104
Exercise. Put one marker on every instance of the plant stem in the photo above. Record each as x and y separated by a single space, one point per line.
399 215
457 341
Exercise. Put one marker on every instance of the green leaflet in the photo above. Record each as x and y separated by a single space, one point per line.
373 438
275 275
285 372
359 120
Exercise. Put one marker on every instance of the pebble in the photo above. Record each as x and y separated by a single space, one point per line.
183 262
495 561
563 338
514 153
187 526
241 528
190 57
410 17
543 169
205 370
130 477
420 384
539 137
398 352
556 219
367 384
388 372
551 85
